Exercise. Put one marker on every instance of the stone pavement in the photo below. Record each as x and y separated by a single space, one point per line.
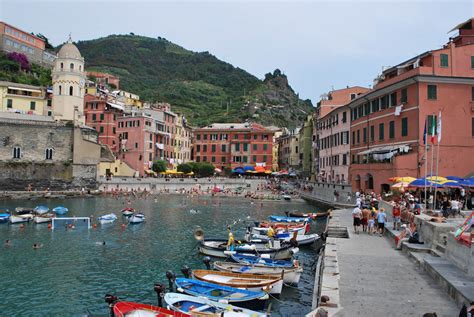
377 280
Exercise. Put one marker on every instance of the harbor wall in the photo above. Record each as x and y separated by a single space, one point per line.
323 193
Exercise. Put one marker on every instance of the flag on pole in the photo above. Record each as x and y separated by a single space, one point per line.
432 127
425 133
439 127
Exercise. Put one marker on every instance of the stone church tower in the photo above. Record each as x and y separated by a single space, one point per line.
68 84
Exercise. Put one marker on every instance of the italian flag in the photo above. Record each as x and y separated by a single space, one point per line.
432 126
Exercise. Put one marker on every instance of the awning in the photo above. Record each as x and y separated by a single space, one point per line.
24 89
116 106
386 149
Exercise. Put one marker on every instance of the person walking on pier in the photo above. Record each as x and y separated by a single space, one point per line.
365 219
357 215
381 219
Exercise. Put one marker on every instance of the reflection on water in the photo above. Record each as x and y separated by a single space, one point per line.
73 270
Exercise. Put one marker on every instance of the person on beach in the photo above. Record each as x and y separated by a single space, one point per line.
396 214
381 219
365 219
356 215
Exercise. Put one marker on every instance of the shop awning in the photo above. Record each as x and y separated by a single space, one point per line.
386 149
116 106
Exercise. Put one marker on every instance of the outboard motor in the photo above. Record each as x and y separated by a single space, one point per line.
111 299
207 262
171 278
186 271
160 291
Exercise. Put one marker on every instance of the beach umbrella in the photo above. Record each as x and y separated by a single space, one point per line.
437 179
217 170
249 168
420 182
454 178
469 182
402 179
450 184
400 185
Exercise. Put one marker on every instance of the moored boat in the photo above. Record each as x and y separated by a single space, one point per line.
60 210
218 248
220 293
251 282
23 210
263 231
4 217
192 305
20 218
131 309
137 218
284 225
291 275
312 215
302 240
255 259
44 218
41 210
108 218
285 219
286 197
127 212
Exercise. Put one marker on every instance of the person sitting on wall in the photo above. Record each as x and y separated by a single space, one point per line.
403 236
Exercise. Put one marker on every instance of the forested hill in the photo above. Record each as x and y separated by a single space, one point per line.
199 85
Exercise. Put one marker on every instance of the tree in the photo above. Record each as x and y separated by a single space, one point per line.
159 166
47 45
185 168
205 169
21 59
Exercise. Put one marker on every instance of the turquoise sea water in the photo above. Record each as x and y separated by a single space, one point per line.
72 272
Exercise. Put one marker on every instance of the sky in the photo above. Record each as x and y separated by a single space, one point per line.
319 45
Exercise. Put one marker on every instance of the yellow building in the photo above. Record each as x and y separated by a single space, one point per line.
116 168
128 98
275 166
182 141
23 98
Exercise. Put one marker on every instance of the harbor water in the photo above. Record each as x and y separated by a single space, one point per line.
73 270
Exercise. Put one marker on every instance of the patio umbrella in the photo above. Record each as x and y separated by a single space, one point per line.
402 179
469 182
454 178
450 184
249 168
217 170
420 182
400 185
437 179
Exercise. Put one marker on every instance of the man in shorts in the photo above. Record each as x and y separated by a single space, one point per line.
365 219
381 219
396 213
356 215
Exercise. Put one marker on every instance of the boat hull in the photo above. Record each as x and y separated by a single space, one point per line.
301 239
20 219
42 219
122 309
136 220
311 215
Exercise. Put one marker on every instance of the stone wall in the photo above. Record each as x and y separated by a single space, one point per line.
460 254
325 192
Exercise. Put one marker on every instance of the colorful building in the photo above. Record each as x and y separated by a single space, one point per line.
25 99
332 135
306 145
12 39
388 123
276 146
231 145
182 141
288 150
104 79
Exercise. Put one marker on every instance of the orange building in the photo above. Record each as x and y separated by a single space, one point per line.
388 123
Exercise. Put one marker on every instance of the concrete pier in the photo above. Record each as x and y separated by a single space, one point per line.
368 277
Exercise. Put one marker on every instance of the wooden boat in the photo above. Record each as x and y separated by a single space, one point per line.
201 305
218 248
263 231
302 240
285 219
251 282
220 293
131 309
20 218
127 212
137 218
283 225
41 210
255 259
312 215
291 275
109 218
23 210
43 218
60 210
4 217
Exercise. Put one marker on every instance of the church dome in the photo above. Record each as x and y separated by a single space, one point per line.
69 50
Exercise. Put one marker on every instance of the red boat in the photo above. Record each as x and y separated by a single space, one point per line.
131 309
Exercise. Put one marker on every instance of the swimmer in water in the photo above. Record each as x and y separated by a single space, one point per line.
8 243
103 242
37 246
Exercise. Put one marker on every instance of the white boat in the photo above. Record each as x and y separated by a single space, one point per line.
291 275
21 218
286 197
41 210
192 304
127 212
109 218
137 218
263 231
43 218
306 239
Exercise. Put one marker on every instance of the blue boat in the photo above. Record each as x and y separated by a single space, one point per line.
289 219
252 259
41 210
255 300
4 217
60 210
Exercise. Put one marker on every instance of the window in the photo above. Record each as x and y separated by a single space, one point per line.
472 127
375 105
384 102
236 136
101 130
404 97
255 156
393 99
204 136
101 116
353 96
62 66
113 130
198 159
198 137
245 159
381 131
391 129
94 117
358 136
213 159
472 93
237 146
204 158
32 105
472 62
365 135
246 147
9 103
254 136
255 146
344 117
404 126
17 152
432 94
372 133
353 137
60 89
213 148
204 148
136 145
198 148
265 147
223 148
223 159
264 158
344 159
71 91
444 60
71 66
367 109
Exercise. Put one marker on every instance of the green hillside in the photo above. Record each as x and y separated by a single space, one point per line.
199 85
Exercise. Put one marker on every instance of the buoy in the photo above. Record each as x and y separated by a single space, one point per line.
22 226
94 226
123 226
49 226
69 226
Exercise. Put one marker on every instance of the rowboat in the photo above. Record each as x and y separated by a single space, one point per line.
302 240
41 210
218 248
23 210
137 218
286 197
4 217
127 212
195 305
291 275
60 210
43 218
263 231
283 225
20 218
253 259
312 215
289 219
109 218
219 293
251 282
131 309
